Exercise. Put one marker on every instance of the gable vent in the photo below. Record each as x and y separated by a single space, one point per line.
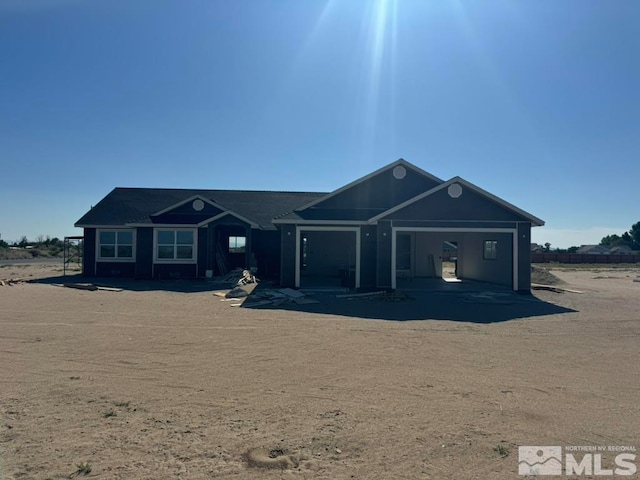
454 190
399 172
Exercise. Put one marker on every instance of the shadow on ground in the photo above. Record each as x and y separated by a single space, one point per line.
131 284
482 306
473 303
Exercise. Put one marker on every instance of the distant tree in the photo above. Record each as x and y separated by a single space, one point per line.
23 242
572 249
40 240
3 244
611 240
547 247
634 233
630 238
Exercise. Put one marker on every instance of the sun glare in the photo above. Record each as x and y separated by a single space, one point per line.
373 74
381 20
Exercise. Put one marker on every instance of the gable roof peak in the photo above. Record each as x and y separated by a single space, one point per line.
399 162
535 221
187 200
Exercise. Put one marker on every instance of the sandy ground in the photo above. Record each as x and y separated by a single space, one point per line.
153 384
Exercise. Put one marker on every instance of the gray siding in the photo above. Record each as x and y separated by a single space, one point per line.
202 251
166 271
266 247
524 257
144 252
373 196
210 262
469 206
89 252
115 269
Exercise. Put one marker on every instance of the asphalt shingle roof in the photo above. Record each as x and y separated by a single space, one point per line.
136 205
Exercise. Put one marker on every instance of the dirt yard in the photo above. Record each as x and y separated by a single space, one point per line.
168 384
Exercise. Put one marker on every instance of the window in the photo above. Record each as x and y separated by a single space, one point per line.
237 244
490 249
175 245
115 245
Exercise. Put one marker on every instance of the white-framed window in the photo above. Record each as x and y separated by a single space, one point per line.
117 245
237 244
175 245
490 249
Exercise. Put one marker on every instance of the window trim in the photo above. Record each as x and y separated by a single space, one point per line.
185 261
494 250
130 259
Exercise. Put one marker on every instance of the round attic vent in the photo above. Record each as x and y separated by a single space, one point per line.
454 190
198 205
399 172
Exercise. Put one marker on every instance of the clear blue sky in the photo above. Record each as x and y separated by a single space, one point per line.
536 101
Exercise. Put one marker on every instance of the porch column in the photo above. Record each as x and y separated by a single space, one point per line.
211 248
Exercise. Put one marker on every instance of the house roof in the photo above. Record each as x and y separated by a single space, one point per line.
264 209
124 206
603 249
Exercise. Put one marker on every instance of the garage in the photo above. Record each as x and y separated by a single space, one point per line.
328 257
485 255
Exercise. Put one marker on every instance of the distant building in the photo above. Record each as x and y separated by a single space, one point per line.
621 250
594 250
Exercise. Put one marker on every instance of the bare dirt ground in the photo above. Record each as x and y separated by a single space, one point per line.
153 384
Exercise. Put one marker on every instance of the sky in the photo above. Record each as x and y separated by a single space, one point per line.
536 101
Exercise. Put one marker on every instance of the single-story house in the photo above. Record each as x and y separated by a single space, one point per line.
371 233
621 250
594 250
